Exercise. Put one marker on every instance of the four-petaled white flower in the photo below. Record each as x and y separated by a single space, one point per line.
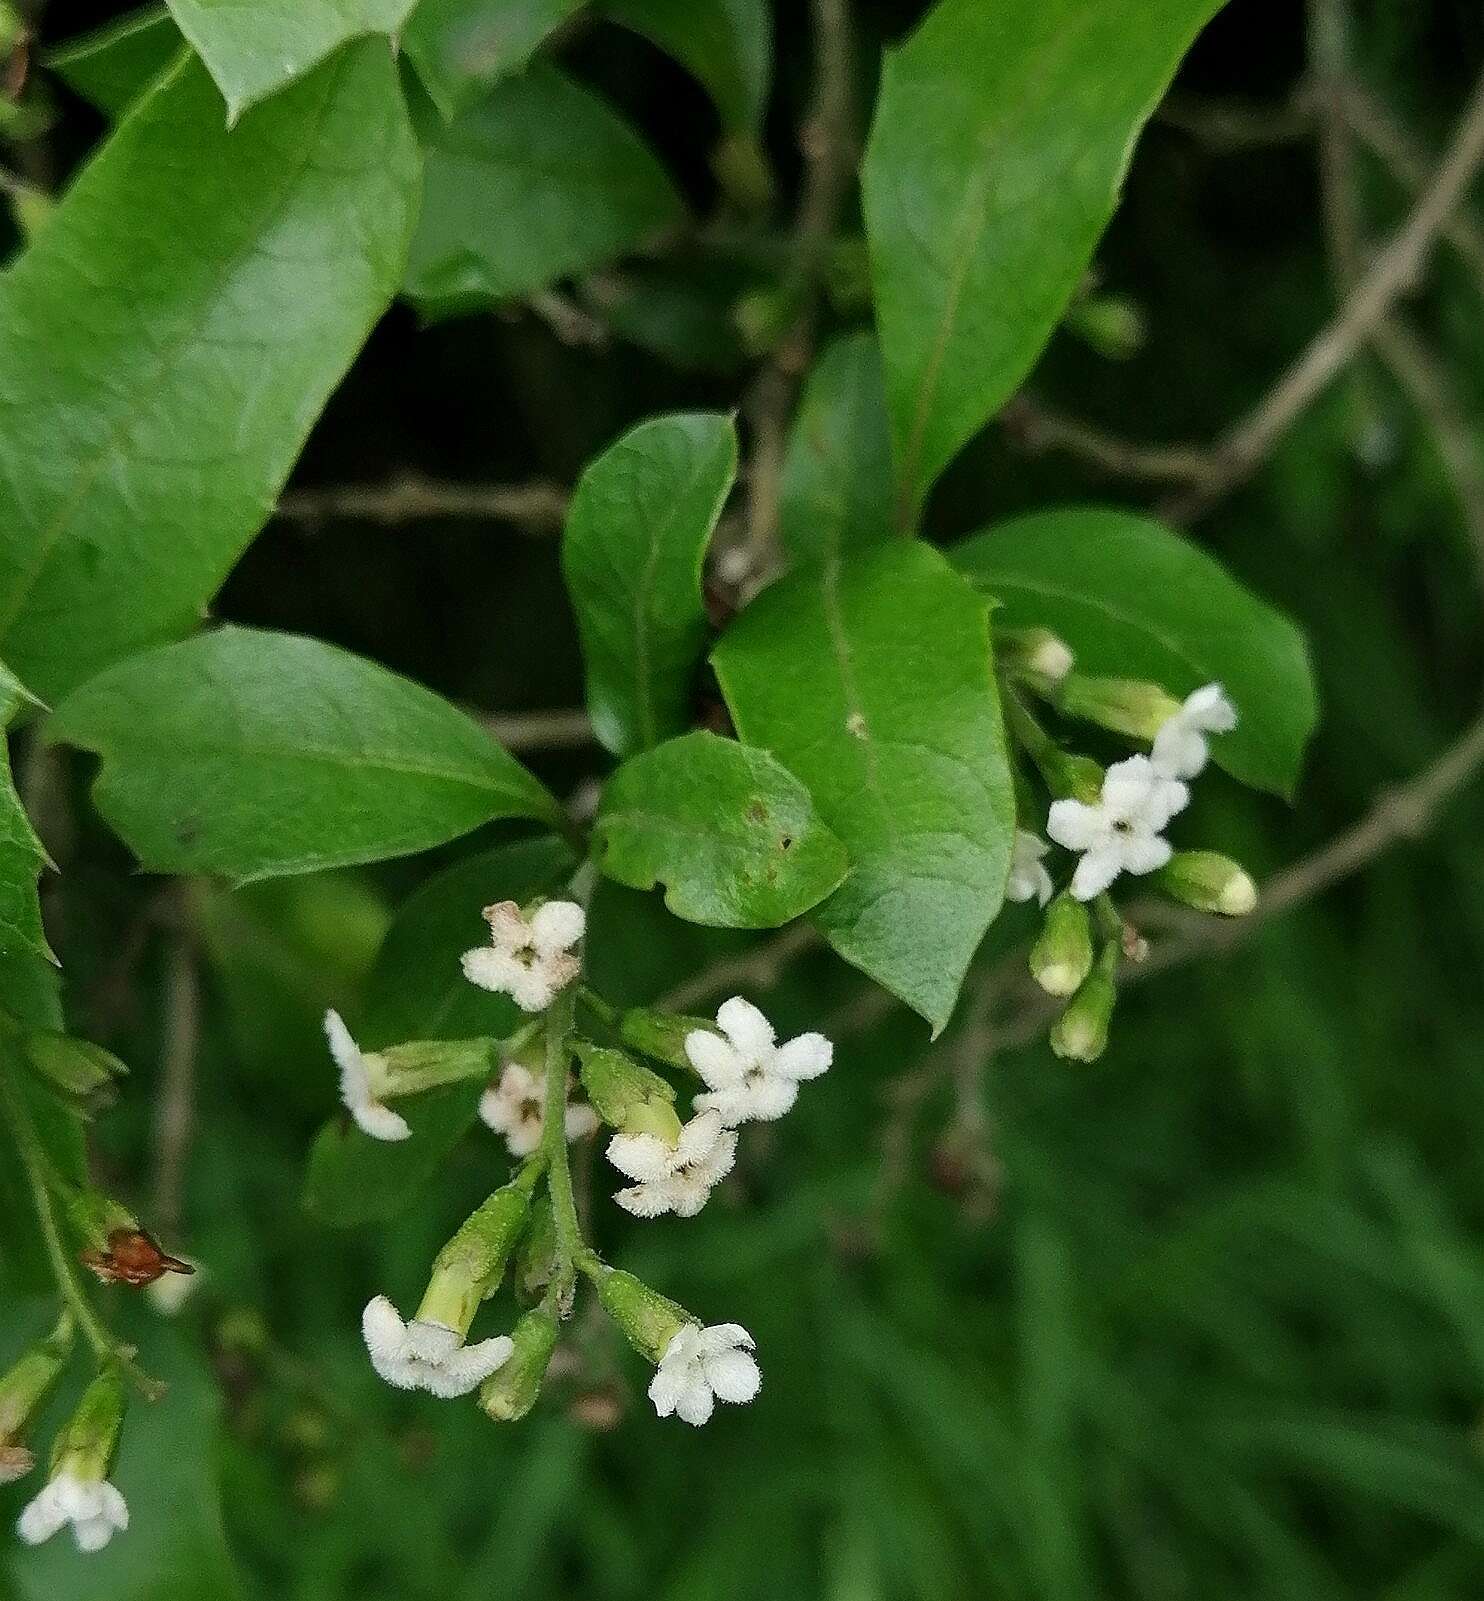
529 959
360 1074
421 1355
1180 749
674 1178
749 1077
515 1107
1028 879
703 1366
1121 832
94 1507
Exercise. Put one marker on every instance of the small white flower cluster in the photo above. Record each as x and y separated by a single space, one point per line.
422 1355
94 1507
528 959
515 1107
700 1367
749 1077
1123 830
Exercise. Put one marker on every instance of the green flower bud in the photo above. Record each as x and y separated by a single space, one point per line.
1112 324
1062 957
626 1094
1081 1032
1209 882
469 1268
511 1390
419 1065
77 1068
1123 705
648 1319
86 1446
1035 656
662 1035
741 168
535 1260
24 1390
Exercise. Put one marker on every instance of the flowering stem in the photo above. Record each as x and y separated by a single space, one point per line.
569 1245
33 1158
605 1011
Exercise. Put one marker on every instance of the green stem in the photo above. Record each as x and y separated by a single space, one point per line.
33 1158
569 1245
606 1011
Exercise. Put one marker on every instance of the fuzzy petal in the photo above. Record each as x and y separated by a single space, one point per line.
695 1402
748 1030
492 969
719 1064
42 1516
1095 872
1145 855
803 1058
698 1139
770 1098
1209 709
471 1365
722 1337
579 1122
531 988
1075 825
734 1376
664 1390
380 1121
383 1330
644 1200
509 931
643 1157
733 1106
557 926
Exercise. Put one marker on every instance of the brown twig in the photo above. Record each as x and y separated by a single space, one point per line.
1037 430
1231 127
558 730
175 1102
761 968
537 506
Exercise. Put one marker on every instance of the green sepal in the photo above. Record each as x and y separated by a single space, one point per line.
649 1320
510 1392
1061 958
469 1268
621 1090
662 1035
77 1068
89 1440
425 1064
1130 706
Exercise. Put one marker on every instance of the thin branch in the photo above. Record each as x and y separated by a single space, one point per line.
1230 126
1395 271
1038 430
758 968
558 730
175 1105
538 506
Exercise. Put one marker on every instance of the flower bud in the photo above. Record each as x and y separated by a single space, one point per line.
77 1068
417 1065
469 1268
1062 956
1081 1032
1036 656
648 1319
627 1095
662 1035
511 1390
24 1390
535 1261
1123 705
1209 882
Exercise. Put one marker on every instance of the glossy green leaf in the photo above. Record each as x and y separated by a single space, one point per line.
1134 599
872 681
253 754
113 66
539 181
837 485
730 832
636 537
1000 141
169 295
461 47
260 48
418 991
22 855
726 44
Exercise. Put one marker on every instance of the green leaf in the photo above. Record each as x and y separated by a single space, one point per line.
254 754
641 518
170 295
258 49
729 831
1001 137
111 67
418 990
1134 599
873 683
539 181
727 45
836 489
460 47
22 855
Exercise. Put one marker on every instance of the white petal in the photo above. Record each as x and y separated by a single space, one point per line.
1076 825
472 1364
722 1337
431 1342
718 1162
698 1139
509 931
492 969
523 1139
1208 708
557 926
1168 798
531 988
805 1057
770 1098
733 1106
380 1121
685 1344
1044 887
748 1030
1127 786
1179 751
497 1110
718 1063
41 1517
355 1073
92 1534
695 1402
1144 855
734 1376
664 1390
644 1157
645 1200
1095 872
383 1330
114 1508
580 1121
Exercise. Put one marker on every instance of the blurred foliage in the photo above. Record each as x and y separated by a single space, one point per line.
1205 1320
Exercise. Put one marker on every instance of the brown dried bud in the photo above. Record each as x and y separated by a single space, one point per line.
132 1257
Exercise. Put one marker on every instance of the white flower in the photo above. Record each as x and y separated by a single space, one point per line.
1028 879
93 1507
674 1178
748 1076
360 1073
515 1107
527 959
703 1366
1121 833
428 1356
1180 748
